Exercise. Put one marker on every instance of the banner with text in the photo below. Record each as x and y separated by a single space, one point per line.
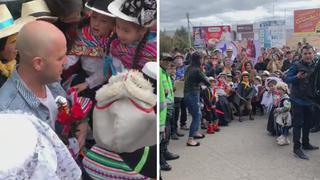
204 36
272 33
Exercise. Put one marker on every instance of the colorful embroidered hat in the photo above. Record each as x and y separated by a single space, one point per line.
141 12
7 25
99 6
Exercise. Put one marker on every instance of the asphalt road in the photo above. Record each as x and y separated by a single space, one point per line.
242 151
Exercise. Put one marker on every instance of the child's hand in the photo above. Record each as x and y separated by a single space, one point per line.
81 87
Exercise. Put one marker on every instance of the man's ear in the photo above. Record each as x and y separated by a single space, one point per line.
37 63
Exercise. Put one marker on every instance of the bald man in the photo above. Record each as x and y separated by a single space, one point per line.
34 85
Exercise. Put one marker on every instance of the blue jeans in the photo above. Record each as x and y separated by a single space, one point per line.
192 100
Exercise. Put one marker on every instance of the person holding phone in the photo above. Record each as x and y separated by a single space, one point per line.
298 75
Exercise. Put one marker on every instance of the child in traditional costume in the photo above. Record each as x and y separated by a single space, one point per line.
136 42
208 96
282 114
89 47
8 34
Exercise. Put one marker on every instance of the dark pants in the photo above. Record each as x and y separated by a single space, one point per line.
165 136
256 105
210 116
180 105
183 117
302 121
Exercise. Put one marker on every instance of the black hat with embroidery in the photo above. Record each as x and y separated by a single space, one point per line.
99 6
141 12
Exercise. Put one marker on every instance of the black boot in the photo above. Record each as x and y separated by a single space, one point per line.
164 166
300 154
315 129
170 156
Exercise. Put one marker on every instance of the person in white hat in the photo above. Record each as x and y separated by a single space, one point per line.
282 114
31 150
136 43
90 46
150 72
8 34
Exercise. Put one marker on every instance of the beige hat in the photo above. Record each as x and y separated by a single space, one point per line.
258 78
37 9
210 78
7 25
283 86
245 73
265 73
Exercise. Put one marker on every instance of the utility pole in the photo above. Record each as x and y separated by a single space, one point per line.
189 35
273 8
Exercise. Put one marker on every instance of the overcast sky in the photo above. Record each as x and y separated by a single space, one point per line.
218 12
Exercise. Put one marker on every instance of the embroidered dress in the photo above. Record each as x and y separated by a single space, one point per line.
90 51
122 55
102 164
42 156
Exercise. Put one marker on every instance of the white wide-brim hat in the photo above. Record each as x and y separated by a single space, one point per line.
7 25
147 13
99 6
115 7
37 9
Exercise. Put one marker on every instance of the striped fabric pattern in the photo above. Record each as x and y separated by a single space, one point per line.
102 164
87 44
126 53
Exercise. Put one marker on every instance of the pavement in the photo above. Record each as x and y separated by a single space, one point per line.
242 151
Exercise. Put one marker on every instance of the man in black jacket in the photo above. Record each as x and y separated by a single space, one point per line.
298 75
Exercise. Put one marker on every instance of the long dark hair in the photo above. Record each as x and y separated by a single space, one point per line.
3 42
135 63
196 59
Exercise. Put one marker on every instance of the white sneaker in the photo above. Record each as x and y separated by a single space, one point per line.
281 140
287 140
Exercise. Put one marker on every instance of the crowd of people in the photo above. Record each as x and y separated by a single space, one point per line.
74 69
214 87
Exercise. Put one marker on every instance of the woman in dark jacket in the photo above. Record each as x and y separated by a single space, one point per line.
193 77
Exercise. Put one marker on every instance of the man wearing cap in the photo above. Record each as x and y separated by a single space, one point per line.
166 111
298 75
